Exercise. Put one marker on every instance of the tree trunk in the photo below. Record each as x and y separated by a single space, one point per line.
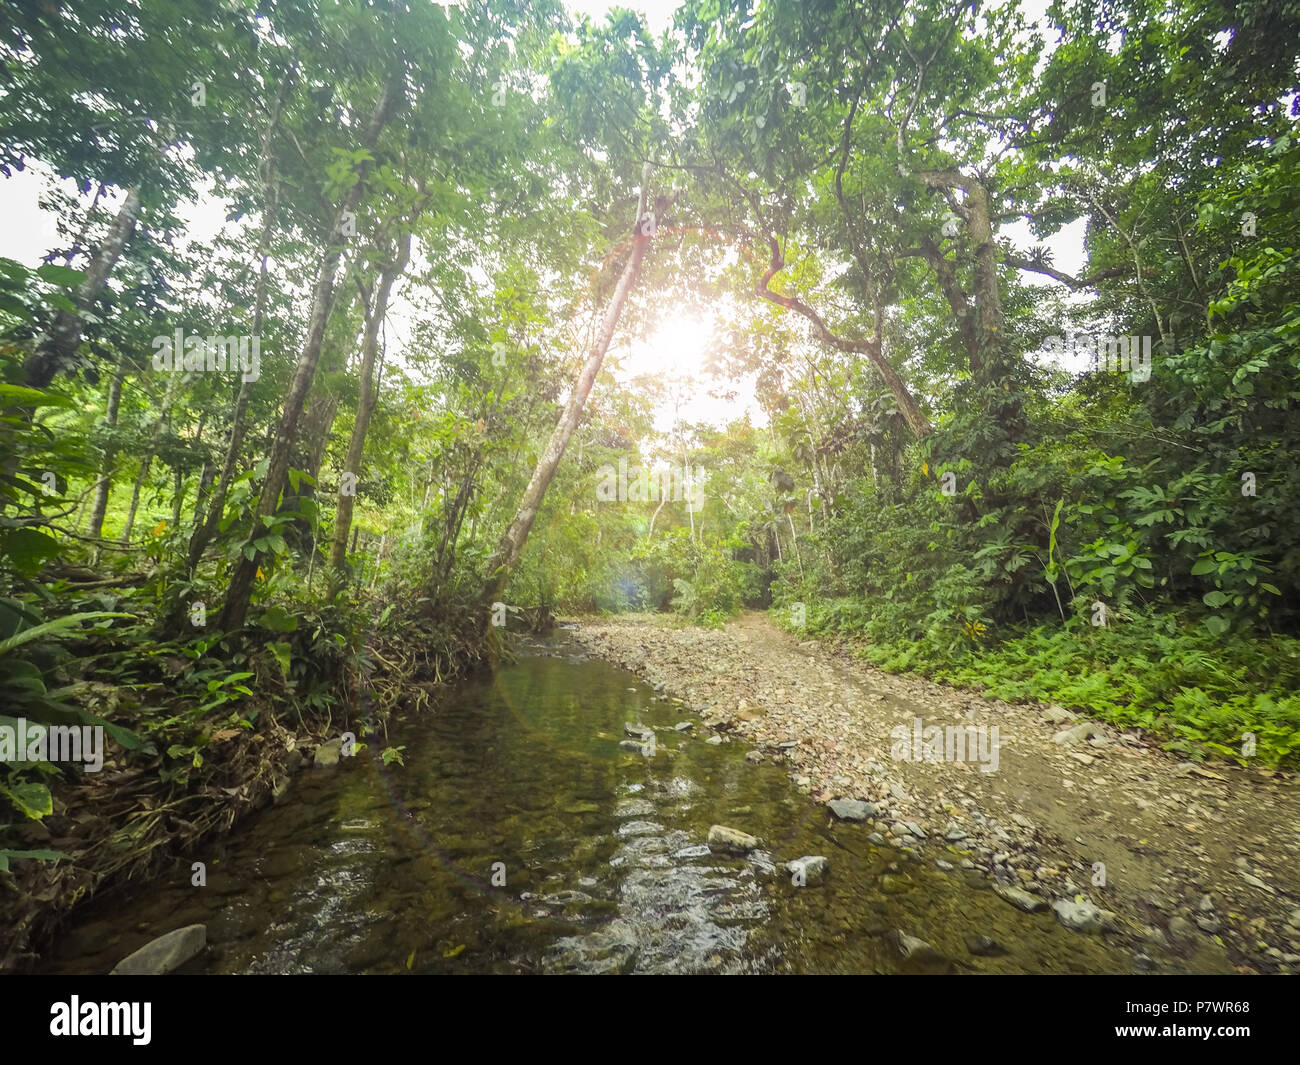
56 351
205 530
516 534
178 478
990 361
102 487
365 407
178 495
241 582
174 385
205 482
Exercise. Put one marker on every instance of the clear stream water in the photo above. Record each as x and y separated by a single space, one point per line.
389 869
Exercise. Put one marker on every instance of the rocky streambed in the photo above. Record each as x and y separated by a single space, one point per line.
1183 867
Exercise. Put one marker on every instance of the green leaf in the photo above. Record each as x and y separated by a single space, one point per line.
1215 598
281 651
18 396
42 855
277 619
58 626
32 799
296 477
28 549
60 275
1217 626
48 712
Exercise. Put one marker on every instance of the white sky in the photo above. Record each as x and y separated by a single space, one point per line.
676 350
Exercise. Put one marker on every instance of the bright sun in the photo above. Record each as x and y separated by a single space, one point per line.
676 349
675 355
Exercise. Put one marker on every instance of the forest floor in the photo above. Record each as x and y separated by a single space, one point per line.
1201 861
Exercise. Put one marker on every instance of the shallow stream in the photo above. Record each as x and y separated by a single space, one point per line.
520 836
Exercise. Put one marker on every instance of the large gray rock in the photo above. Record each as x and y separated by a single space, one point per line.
638 732
724 840
164 954
1021 900
984 946
327 754
1078 916
1070 736
918 950
1256 882
852 809
811 868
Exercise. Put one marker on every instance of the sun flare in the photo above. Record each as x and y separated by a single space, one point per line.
676 349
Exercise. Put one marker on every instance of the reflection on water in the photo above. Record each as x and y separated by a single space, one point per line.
521 837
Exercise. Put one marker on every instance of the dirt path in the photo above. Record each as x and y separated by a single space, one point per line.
1197 860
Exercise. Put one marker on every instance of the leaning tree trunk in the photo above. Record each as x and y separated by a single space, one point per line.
365 408
516 534
240 591
56 350
178 478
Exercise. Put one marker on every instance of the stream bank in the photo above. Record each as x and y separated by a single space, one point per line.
534 827
1200 864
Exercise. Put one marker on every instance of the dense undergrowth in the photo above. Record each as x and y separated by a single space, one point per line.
1203 696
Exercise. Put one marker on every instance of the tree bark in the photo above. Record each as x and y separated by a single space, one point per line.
105 483
516 534
200 494
205 530
365 407
241 582
991 362
56 351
